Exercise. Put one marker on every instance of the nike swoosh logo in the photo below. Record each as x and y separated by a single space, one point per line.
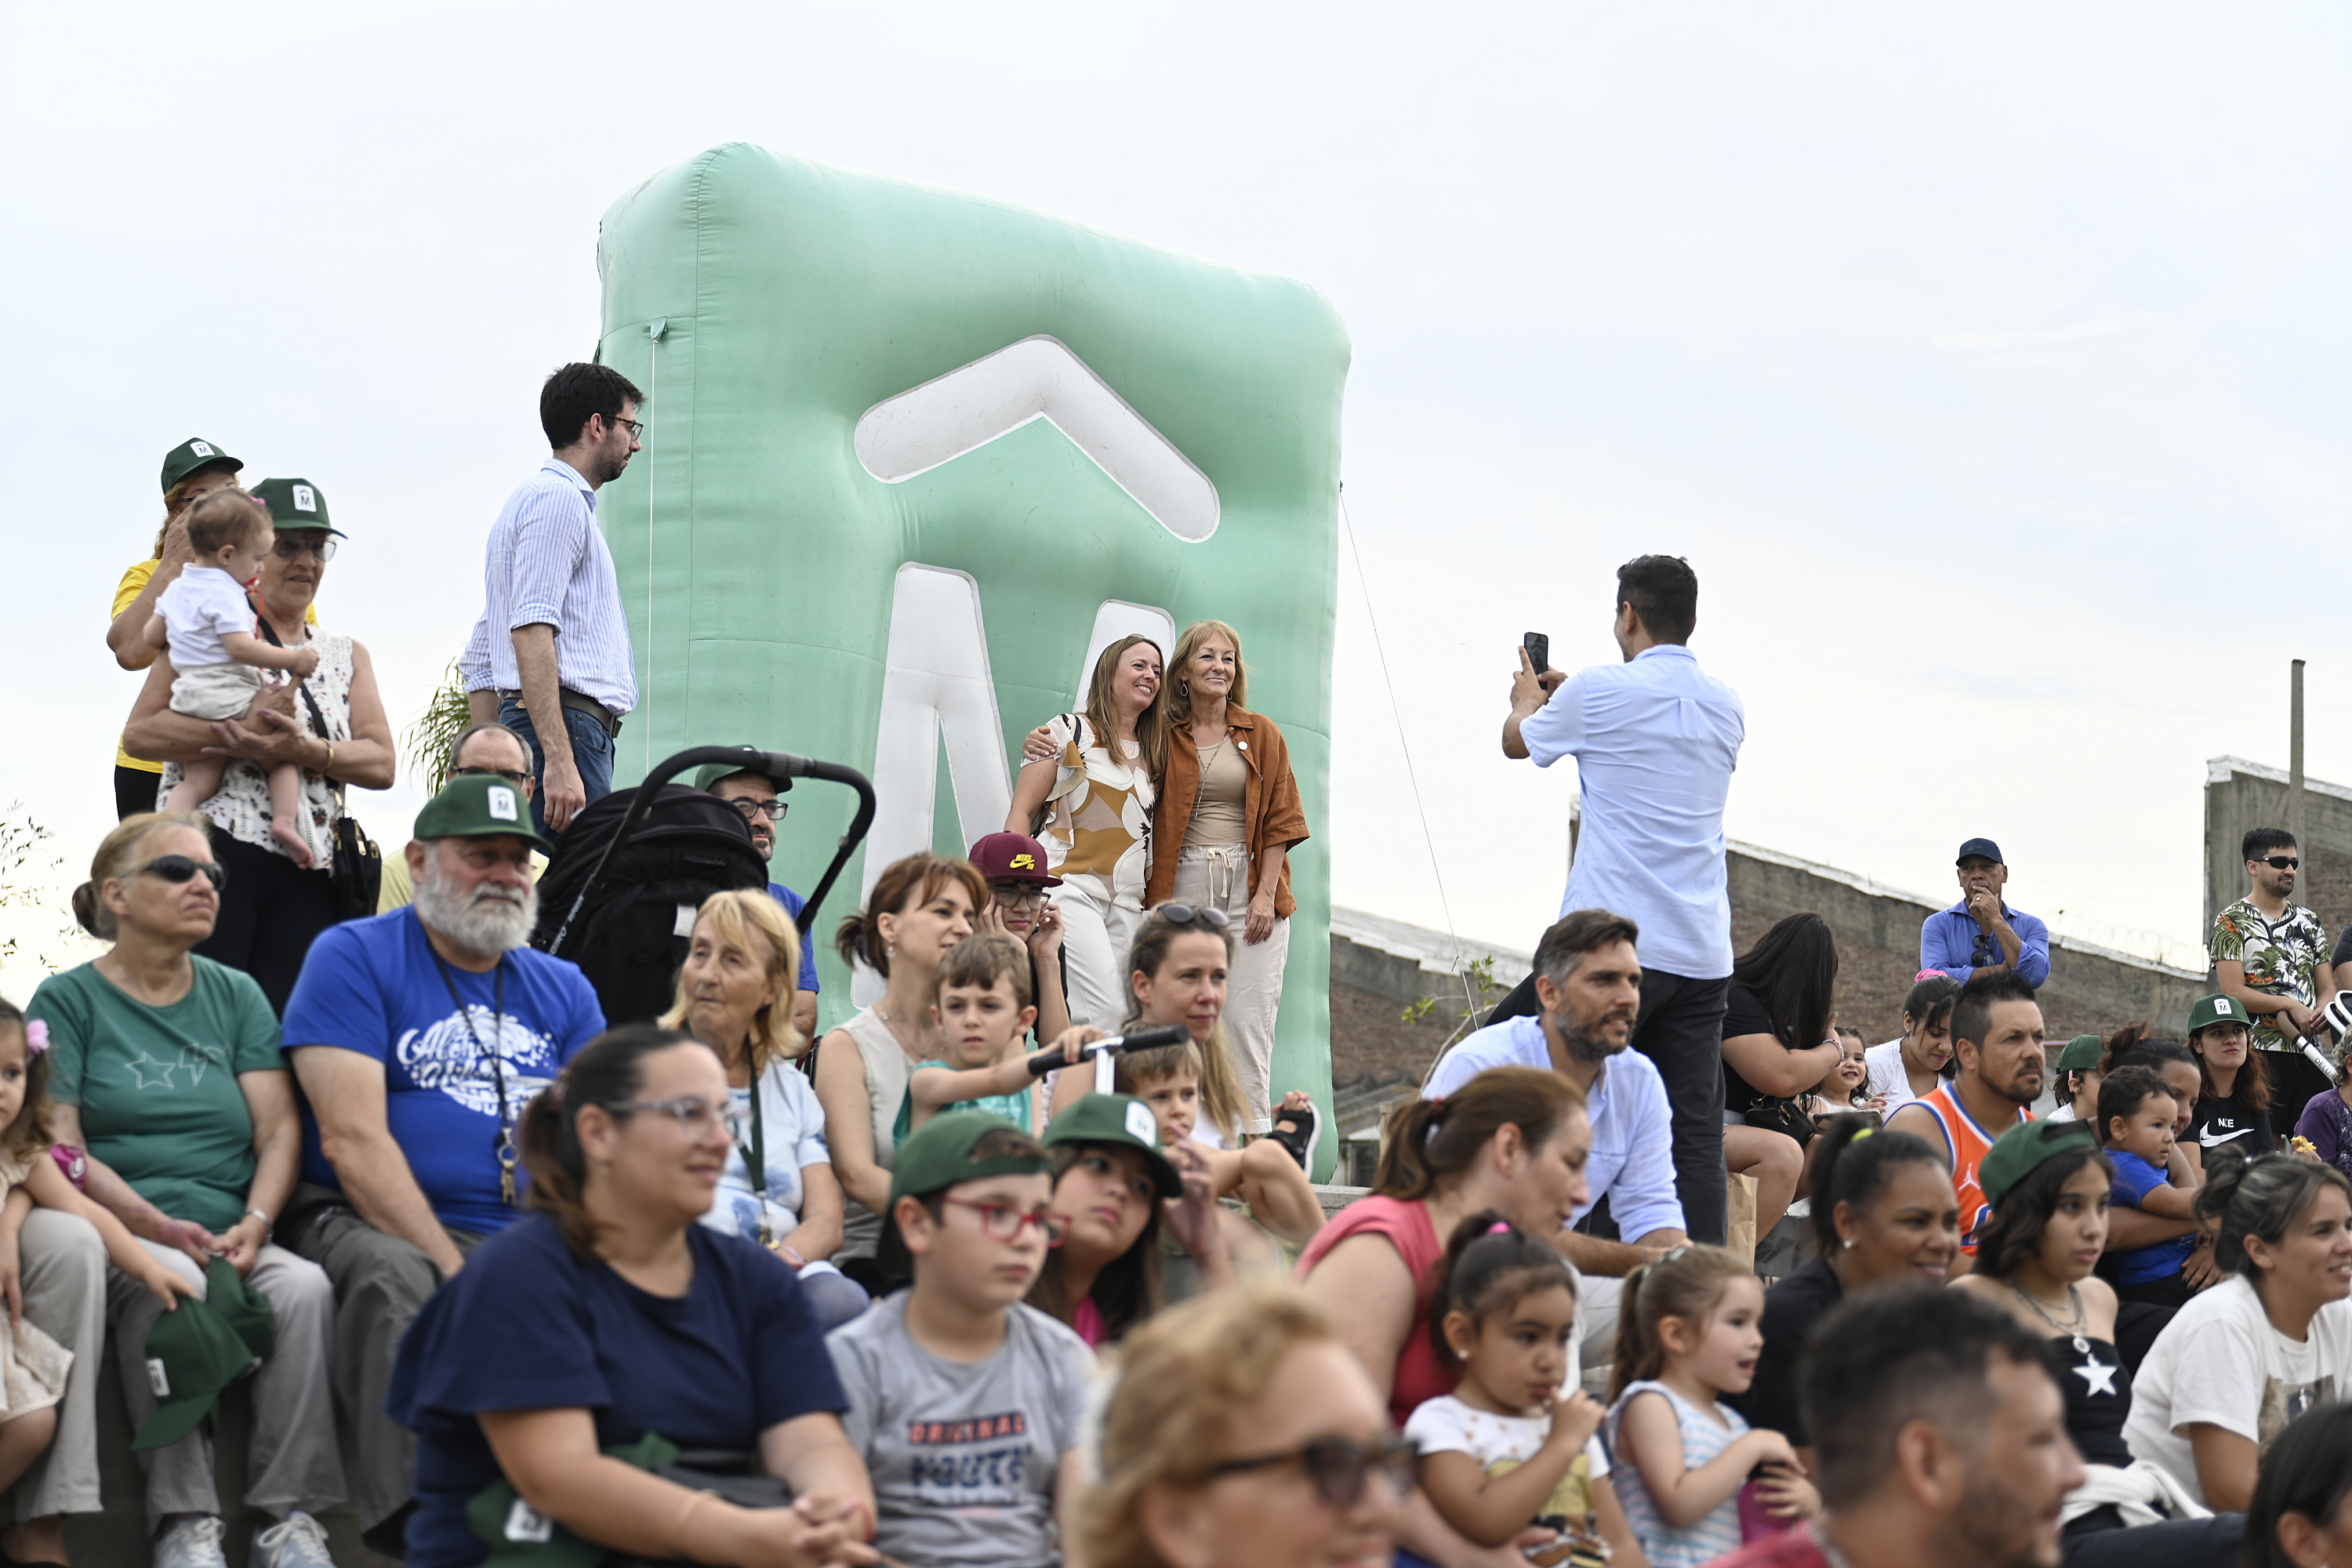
2209 1141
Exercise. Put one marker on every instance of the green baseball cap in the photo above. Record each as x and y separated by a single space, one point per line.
712 772
2082 1054
2015 1153
296 503
939 1156
479 805
1122 1121
199 1349
194 455
2208 1011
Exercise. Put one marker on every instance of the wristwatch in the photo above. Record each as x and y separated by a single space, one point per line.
267 1228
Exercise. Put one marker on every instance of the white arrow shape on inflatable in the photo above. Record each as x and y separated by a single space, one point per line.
1037 378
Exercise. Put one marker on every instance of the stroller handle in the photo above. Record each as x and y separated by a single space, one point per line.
768 764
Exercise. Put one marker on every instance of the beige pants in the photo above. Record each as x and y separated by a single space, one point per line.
1096 938
1218 876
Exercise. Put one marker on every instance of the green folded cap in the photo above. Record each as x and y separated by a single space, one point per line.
199 1349
2082 1054
2015 1153
193 457
479 805
939 1156
296 503
712 772
1123 1121
2217 1008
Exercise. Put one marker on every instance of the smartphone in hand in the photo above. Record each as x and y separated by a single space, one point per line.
1538 647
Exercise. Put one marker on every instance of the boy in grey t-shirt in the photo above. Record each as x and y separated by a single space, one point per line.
964 1402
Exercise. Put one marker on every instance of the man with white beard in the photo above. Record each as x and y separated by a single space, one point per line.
417 1038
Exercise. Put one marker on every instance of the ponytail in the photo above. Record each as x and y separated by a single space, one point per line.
1687 1284
1853 1160
1428 1140
1489 1264
904 883
608 1071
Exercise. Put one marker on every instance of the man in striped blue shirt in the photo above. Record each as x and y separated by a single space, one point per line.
550 659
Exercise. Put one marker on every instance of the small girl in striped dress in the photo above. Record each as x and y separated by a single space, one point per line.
1689 1332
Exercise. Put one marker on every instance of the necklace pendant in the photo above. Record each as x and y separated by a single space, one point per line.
2081 1345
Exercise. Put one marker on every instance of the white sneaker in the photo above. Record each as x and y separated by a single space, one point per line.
300 1543
194 1542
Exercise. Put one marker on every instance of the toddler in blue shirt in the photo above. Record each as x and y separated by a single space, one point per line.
2138 1115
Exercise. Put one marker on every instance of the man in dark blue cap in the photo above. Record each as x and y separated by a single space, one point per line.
1981 934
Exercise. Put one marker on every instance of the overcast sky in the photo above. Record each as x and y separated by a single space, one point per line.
1992 368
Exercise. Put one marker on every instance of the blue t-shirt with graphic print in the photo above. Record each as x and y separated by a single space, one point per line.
373 986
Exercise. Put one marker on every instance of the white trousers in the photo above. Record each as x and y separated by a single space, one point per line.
1095 937
1218 876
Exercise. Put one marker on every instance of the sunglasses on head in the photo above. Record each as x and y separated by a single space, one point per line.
1188 914
180 867
1337 1469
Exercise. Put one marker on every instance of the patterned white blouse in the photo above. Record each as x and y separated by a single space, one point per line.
240 807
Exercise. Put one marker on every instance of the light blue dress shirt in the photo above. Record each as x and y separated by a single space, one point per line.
1655 741
1633 1163
1948 941
547 565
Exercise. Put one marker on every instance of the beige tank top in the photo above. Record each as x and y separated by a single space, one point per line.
1220 809
887 1072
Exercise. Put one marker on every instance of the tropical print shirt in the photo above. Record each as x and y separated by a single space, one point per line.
2279 956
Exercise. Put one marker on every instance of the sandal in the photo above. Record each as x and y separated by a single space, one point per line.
1298 1131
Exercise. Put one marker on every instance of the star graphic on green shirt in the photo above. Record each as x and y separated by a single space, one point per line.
143 1066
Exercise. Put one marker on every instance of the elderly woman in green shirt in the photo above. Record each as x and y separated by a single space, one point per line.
165 1067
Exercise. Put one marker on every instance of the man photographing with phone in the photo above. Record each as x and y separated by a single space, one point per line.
1655 739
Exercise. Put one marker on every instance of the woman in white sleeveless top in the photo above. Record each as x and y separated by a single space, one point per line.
920 907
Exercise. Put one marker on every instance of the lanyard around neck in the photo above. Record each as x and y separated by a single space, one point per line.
504 1145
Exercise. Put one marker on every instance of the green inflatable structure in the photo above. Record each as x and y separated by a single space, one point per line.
913 459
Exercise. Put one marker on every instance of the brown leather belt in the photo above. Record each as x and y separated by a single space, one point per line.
578 703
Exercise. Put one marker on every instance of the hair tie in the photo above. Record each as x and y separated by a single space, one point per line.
37 1035
1500 1227
1860 1135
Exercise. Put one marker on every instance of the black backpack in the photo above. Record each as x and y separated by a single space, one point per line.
632 934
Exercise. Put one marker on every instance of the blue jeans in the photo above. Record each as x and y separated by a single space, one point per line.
592 753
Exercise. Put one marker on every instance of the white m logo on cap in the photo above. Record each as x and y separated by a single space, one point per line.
502 803
305 498
200 449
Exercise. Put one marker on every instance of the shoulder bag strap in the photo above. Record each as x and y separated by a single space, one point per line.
318 716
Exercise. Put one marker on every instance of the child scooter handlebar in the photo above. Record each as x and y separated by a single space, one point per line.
1043 1062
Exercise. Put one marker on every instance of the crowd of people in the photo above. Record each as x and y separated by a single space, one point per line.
941 1285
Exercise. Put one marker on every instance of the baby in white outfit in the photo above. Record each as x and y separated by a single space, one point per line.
207 624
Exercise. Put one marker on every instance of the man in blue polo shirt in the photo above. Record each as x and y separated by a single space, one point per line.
418 1037
759 799
1981 934
1589 985
1655 739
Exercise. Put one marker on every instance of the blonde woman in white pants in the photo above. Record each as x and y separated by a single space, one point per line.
1228 813
1096 787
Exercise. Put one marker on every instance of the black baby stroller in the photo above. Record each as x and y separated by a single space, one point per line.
629 872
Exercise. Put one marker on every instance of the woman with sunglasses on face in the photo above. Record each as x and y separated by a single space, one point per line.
641 1323
165 1067
1241 1434
1513 1140
734 993
337 732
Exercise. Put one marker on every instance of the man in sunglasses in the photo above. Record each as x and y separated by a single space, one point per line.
486 751
417 1038
1981 934
2270 954
760 801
